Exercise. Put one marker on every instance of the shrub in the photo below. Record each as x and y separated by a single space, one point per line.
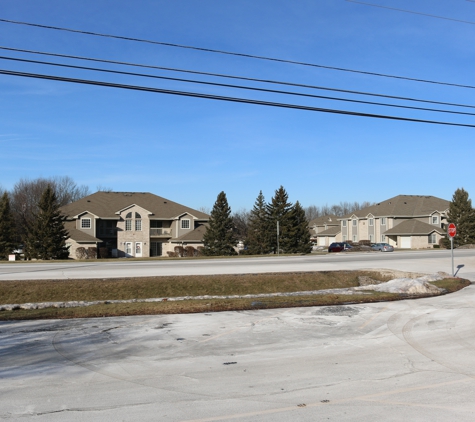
190 251
171 254
81 253
103 253
179 251
199 251
91 253
365 242
444 243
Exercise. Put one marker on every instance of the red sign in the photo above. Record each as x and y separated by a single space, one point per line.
452 230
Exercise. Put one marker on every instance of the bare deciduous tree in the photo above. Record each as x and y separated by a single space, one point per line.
26 194
341 209
241 220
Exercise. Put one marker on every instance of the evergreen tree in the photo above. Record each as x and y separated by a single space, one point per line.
7 227
299 234
279 210
462 215
219 238
258 234
46 235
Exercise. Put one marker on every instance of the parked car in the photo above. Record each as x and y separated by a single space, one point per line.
339 247
383 247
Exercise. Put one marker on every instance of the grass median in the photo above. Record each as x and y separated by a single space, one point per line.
34 291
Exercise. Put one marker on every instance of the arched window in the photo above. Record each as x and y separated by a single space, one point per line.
138 222
128 222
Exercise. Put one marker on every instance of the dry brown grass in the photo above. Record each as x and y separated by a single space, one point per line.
156 287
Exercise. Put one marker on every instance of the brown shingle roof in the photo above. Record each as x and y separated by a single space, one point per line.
331 231
330 220
195 235
413 227
106 204
79 235
404 205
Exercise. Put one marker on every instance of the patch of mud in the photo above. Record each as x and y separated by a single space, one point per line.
338 311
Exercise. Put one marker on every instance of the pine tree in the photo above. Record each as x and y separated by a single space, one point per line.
7 227
46 235
462 215
279 210
219 238
258 234
299 235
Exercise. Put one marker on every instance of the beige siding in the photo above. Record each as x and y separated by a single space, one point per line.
133 235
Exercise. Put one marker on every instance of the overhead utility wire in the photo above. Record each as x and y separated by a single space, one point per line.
273 91
230 53
220 75
411 11
229 99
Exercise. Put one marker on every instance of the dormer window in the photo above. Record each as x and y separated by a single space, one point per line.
185 224
435 219
85 223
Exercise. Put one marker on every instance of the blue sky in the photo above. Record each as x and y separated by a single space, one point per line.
188 149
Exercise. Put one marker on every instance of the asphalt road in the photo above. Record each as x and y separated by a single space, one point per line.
409 360
416 261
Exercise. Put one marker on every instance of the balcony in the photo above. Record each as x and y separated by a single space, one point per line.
106 232
160 232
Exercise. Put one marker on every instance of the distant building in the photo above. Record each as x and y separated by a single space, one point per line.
132 224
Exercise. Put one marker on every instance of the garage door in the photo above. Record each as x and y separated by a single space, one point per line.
321 241
405 242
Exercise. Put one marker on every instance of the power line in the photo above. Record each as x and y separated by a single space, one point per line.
229 99
273 91
220 75
230 53
411 11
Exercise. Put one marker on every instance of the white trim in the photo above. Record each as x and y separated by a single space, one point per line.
83 220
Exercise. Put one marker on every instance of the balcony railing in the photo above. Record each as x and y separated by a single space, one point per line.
161 232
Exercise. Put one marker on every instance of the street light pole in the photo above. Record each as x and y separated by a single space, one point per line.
277 237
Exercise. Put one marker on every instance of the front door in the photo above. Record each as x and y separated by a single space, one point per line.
138 249
128 249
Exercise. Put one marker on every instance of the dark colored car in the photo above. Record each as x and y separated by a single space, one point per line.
383 247
339 247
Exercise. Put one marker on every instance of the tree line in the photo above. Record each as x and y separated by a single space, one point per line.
277 226
30 216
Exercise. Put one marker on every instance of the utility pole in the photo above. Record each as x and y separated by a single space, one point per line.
277 237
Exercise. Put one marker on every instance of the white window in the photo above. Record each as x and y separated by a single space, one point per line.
185 224
371 238
383 238
344 223
370 222
354 238
128 225
355 223
383 221
435 219
138 225
432 239
344 238
85 223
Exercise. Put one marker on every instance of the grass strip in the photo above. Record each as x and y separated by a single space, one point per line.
150 287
